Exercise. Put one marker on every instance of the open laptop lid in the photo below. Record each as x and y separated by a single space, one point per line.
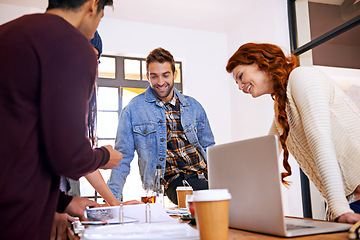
250 170
247 169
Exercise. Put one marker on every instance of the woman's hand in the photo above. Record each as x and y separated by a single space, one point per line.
349 218
131 202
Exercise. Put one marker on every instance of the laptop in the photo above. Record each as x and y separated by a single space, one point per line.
250 170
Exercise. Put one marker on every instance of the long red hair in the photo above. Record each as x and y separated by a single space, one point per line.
271 59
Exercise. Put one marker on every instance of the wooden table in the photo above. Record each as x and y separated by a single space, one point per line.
235 234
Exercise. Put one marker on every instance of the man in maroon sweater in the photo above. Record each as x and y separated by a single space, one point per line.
48 69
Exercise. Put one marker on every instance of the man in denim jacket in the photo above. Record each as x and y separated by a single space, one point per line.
166 129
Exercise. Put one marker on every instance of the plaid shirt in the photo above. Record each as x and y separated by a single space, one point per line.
181 156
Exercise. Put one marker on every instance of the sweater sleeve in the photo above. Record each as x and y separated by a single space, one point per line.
274 131
65 92
64 201
310 90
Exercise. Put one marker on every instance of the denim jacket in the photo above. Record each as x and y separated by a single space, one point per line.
142 127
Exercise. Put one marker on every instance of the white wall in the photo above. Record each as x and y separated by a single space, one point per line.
10 12
268 23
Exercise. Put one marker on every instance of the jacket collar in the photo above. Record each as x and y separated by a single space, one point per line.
150 96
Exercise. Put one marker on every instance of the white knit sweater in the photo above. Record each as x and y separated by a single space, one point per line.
324 135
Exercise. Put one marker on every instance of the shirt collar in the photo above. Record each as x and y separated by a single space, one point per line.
171 102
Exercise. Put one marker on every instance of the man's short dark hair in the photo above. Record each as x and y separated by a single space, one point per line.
74 4
160 55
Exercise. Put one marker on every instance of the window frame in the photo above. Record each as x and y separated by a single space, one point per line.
298 50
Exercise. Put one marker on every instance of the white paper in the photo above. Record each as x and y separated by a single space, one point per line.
146 231
158 214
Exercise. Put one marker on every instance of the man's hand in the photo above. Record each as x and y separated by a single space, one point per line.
349 218
78 205
115 158
58 230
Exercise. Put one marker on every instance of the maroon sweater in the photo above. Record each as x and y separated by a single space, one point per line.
47 71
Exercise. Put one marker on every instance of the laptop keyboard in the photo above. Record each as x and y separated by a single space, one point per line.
295 227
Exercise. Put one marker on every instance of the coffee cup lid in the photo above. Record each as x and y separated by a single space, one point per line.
211 195
184 188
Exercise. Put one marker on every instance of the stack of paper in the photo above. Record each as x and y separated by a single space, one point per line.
145 231
160 225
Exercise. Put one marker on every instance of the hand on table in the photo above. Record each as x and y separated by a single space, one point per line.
58 230
78 205
349 218
131 202
117 203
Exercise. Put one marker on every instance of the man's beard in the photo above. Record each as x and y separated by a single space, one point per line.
165 95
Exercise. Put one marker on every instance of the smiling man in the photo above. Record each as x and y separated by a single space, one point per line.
166 129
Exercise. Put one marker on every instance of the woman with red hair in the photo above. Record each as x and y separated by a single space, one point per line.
314 120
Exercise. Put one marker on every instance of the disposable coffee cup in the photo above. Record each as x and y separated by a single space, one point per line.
212 213
181 195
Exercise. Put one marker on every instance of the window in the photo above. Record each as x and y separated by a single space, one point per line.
329 28
119 80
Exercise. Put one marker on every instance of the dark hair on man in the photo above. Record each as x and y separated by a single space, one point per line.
160 55
74 4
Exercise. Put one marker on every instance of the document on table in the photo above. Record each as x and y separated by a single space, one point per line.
131 213
143 231
162 226
157 213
